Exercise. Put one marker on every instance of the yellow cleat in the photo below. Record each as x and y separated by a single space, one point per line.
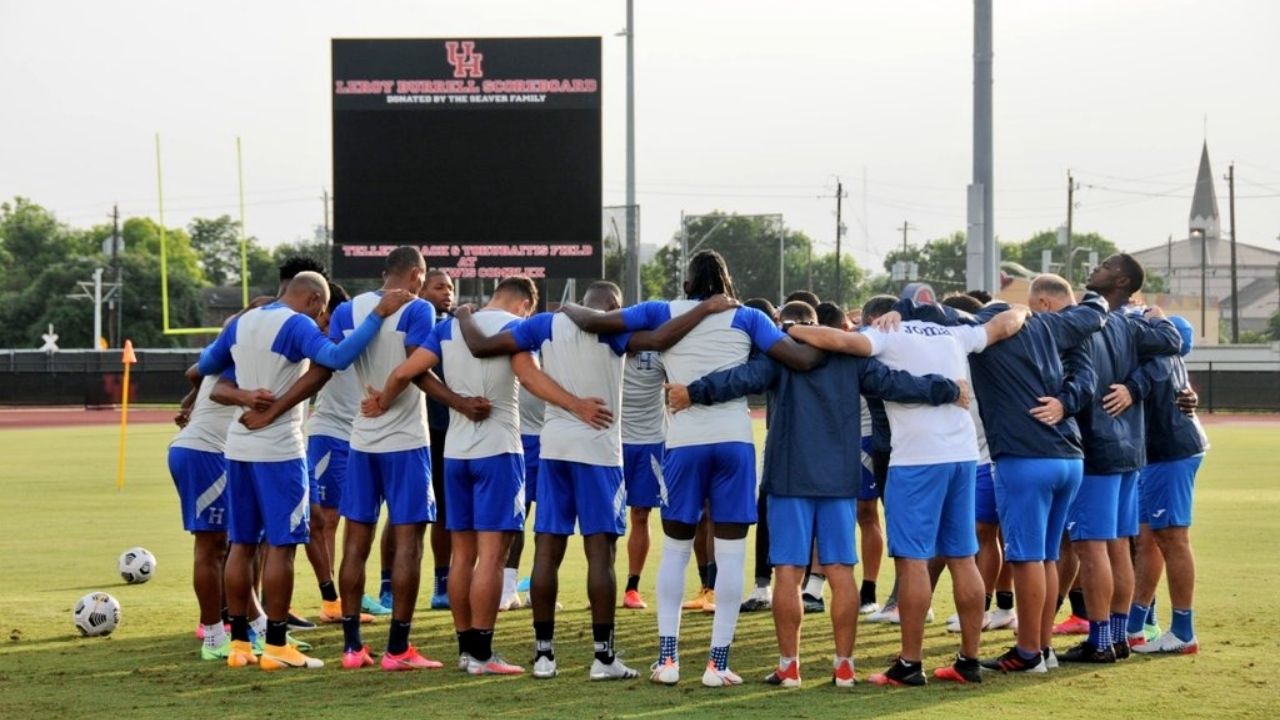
331 612
241 654
280 657
700 601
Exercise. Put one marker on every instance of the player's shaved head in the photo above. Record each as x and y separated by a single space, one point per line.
798 311
877 306
602 295
308 293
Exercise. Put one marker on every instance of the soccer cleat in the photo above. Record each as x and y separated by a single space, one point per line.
280 657
371 606
1170 644
612 671
525 584
385 599
713 677
699 601
227 628
760 599
843 675
331 613
1050 659
787 677
222 652
1011 661
1001 618
953 622
1073 625
899 674
410 659
464 660
241 654
709 604
1121 650
886 614
1135 639
297 622
963 670
632 600
1150 632
928 617
356 659
544 667
495 665
511 602
440 601
812 604
666 673
1085 652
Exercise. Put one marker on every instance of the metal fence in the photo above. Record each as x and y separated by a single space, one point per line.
1225 385
92 378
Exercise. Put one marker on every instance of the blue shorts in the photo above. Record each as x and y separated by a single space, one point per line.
201 480
723 474
485 494
268 499
1033 496
1096 508
641 466
593 495
829 522
985 509
1166 489
327 463
401 478
1127 514
929 510
532 456
868 488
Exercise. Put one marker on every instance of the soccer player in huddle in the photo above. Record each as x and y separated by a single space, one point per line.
710 455
810 474
580 474
484 469
929 497
269 348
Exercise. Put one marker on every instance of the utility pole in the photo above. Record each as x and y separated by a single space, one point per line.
117 300
982 257
905 227
328 239
839 233
1071 205
1235 301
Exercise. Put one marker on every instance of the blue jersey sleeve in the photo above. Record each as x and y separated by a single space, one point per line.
1070 326
530 334
758 326
435 339
648 315
342 322
299 337
417 322
617 342
217 356
875 379
754 376
1155 337
1078 380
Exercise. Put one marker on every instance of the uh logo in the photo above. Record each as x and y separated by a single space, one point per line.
465 60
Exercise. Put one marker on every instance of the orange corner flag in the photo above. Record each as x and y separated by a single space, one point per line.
128 358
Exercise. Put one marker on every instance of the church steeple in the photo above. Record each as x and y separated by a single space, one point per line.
1204 203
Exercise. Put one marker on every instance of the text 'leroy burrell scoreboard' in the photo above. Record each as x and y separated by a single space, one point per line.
484 153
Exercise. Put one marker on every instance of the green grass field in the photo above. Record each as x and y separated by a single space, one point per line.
64 524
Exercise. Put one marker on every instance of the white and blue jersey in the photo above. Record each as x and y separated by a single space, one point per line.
644 427
196 463
329 437
390 460
580 470
267 481
484 475
710 453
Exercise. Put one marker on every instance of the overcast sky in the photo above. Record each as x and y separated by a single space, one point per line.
747 106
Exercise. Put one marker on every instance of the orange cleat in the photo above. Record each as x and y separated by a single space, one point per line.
632 600
408 660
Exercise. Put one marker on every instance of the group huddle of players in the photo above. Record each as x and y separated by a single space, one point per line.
994 435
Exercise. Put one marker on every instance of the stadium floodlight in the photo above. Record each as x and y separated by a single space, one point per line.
164 251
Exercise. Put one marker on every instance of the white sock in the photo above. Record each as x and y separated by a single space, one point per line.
731 560
214 635
669 591
813 588
259 626
509 580
783 662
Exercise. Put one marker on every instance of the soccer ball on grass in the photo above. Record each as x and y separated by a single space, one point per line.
137 565
96 614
